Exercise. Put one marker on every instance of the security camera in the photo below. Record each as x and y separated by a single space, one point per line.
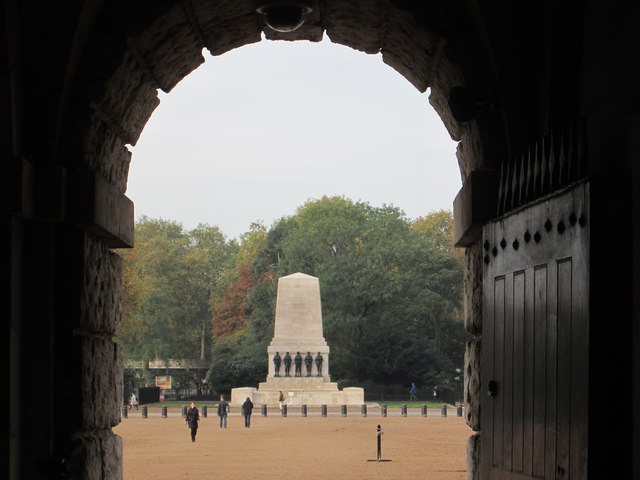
284 16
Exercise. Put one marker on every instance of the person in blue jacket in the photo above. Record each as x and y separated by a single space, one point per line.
413 392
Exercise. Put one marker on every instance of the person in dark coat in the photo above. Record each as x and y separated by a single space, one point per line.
192 419
247 408
223 410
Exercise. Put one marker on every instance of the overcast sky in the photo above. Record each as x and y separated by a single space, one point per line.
254 133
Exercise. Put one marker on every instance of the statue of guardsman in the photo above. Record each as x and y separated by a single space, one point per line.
298 362
287 364
319 361
308 362
277 361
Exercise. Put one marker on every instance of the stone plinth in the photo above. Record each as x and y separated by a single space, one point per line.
298 329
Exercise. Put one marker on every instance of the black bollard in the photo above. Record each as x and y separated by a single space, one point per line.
323 411
363 409
284 410
343 410
383 410
444 410
303 410
125 412
184 411
164 411
424 410
264 410
144 411
379 442
205 411
459 410
404 410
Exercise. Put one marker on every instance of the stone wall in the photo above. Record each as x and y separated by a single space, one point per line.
75 110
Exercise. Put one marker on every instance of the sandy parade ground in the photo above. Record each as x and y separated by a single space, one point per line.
295 447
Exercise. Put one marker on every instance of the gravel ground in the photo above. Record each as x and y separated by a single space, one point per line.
295 447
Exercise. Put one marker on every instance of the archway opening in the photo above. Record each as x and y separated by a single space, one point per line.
331 140
294 120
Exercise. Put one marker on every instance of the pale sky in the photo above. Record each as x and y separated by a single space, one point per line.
255 133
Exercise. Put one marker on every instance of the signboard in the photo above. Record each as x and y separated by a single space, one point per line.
163 382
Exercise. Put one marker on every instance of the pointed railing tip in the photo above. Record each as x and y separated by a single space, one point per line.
554 161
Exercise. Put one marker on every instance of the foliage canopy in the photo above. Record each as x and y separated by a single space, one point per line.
391 293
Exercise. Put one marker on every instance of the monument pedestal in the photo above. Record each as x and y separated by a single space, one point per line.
298 331
328 395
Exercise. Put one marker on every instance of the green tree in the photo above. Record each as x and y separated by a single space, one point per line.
170 279
389 292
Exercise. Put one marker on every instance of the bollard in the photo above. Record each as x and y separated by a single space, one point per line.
323 411
125 412
404 410
205 411
343 410
284 410
444 410
164 411
184 411
264 410
144 411
303 410
424 410
459 412
363 410
379 442
383 410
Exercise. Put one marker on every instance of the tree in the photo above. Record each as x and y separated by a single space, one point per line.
389 294
231 314
170 279
437 228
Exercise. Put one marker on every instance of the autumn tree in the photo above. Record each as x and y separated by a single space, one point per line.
170 279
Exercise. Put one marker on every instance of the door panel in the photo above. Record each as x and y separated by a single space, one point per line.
535 339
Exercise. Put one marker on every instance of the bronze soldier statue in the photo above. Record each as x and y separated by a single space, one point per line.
298 362
287 364
319 361
308 361
277 361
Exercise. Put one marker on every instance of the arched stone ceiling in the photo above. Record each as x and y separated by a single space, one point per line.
139 47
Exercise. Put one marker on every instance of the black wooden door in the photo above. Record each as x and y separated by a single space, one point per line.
535 340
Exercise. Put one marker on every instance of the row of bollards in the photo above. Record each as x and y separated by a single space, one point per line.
303 411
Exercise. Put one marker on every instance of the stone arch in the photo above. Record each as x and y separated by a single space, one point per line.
78 81
115 92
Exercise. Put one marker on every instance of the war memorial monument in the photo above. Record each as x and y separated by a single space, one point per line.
298 353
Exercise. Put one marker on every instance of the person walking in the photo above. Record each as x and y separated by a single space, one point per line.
223 410
281 399
413 392
133 401
247 408
192 419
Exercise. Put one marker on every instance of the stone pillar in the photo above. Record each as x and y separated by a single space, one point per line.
63 286
473 353
473 457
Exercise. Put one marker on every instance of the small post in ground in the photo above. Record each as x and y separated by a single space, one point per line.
379 434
